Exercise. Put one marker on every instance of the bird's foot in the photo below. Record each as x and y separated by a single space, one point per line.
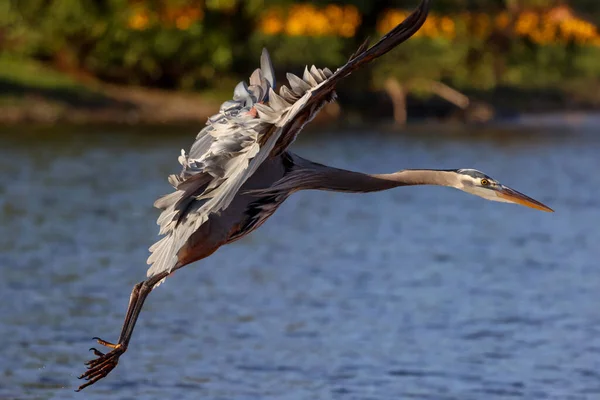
101 366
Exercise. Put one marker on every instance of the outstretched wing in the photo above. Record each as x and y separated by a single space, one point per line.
257 123
221 159
292 109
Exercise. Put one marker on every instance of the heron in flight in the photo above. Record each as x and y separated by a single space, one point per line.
239 171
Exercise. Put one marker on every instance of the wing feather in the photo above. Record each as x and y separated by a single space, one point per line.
291 121
256 124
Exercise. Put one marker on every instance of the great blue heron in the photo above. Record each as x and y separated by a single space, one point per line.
238 172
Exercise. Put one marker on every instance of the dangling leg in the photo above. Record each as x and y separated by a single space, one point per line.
101 366
198 246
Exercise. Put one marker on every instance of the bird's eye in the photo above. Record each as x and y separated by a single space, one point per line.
485 182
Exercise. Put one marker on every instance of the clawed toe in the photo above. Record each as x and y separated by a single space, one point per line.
105 343
96 352
99 367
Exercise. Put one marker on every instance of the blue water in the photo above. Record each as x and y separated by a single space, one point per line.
414 293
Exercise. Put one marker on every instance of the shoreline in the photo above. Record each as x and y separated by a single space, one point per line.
100 104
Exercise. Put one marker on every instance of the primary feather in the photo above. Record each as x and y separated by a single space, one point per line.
226 153
256 124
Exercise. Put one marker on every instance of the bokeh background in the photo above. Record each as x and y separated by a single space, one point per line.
508 56
414 293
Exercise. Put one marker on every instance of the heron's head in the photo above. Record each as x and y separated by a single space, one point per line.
479 184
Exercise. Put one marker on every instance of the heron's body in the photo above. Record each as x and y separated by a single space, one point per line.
245 214
242 148
239 171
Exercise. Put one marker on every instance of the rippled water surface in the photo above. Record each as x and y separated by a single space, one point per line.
414 293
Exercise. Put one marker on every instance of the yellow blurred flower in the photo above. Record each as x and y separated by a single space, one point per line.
334 13
545 27
271 23
352 15
390 19
447 27
294 27
139 19
181 16
525 22
306 19
502 20
429 28
183 22
347 29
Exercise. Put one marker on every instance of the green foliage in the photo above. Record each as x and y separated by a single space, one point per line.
475 64
33 74
24 80
139 42
293 52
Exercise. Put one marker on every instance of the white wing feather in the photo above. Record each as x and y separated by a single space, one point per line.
227 152
245 132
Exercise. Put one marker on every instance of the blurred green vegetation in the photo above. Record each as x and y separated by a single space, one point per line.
208 45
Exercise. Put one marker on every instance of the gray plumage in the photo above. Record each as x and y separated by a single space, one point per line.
256 125
226 153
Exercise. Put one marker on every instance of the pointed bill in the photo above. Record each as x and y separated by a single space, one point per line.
512 196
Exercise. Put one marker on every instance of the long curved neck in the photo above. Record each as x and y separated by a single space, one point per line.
303 174
306 175
340 180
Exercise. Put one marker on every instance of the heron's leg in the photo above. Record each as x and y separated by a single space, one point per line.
133 298
101 366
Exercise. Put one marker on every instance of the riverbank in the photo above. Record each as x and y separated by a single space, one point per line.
31 92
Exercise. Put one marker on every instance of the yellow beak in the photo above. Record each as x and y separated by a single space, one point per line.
513 196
